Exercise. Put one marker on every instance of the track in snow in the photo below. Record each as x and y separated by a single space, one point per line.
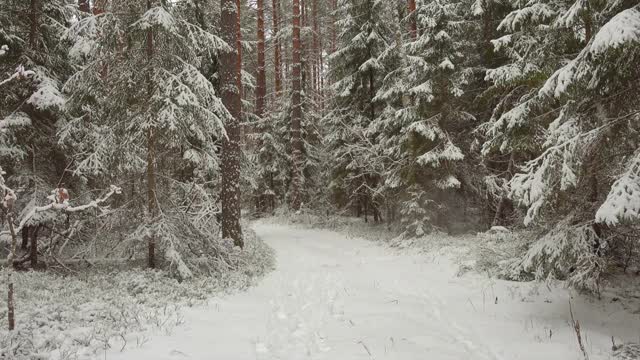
342 299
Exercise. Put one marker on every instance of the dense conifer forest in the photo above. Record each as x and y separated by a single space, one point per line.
149 133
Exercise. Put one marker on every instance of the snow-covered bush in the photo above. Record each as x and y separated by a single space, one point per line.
567 252
498 245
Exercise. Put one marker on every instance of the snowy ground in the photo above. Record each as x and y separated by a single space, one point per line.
341 299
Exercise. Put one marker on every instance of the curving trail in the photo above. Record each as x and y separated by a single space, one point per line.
335 298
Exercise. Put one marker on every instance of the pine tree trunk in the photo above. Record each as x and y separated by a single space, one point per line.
305 73
239 47
413 23
152 205
320 61
33 253
230 68
334 33
296 112
10 293
276 47
84 6
372 95
487 30
25 237
588 23
99 7
33 17
504 200
261 86
316 49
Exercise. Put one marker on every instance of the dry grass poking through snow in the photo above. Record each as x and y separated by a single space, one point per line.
80 316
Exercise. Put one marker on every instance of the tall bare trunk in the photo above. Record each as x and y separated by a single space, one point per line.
316 48
488 29
413 24
238 26
33 17
334 33
10 293
588 23
319 58
296 112
276 47
372 95
152 205
261 86
230 67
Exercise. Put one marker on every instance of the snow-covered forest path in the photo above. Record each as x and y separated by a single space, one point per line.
341 299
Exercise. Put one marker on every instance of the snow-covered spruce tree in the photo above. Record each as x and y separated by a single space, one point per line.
161 118
8 202
31 30
356 75
32 106
536 48
533 48
423 125
587 173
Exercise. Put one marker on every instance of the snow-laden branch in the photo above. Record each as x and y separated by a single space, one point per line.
19 74
66 207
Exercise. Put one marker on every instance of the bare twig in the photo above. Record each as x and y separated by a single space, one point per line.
576 326
365 347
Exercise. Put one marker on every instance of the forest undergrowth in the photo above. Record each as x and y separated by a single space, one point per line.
83 311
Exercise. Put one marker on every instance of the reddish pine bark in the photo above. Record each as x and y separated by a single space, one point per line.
413 24
306 70
276 47
99 7
261 86
296 112
316 47
319 57
84 6
334 35
230 67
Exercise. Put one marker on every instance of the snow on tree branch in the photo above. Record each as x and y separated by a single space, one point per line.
60 202
623 201
623 30
156 16
19 74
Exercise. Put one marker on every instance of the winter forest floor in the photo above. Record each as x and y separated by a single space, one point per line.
337 297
